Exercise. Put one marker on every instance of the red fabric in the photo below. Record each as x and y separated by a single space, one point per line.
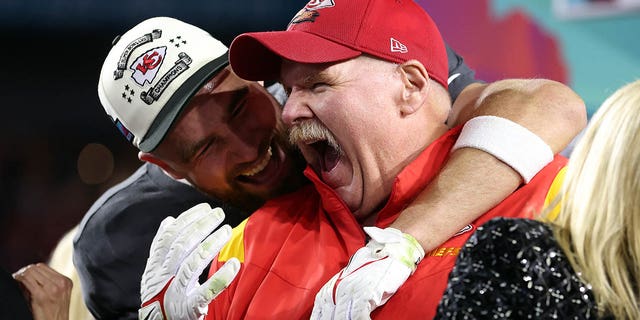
332 31
296 243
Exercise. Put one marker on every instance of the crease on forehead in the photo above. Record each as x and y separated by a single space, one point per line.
324 72
314 73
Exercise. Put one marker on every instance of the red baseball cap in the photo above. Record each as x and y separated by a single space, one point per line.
337 30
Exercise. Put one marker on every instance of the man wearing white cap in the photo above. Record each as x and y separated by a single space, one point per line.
151 74
197 120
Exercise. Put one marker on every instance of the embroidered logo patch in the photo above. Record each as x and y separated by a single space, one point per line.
308 13
146 66
180 66
304 15
319 4
124 57
466 229
397 46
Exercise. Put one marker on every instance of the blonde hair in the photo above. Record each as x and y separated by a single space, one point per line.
599 221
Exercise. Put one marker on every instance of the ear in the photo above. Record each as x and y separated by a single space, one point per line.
415 81
151 158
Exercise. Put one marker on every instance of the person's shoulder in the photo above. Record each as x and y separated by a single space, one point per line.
306 193
131 209
511 264
512 231
285 212
508 240
515 226
116 202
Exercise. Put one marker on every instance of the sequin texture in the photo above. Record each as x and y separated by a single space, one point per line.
513 268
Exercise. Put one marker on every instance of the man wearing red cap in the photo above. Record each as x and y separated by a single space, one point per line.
197 120
294 244
367 108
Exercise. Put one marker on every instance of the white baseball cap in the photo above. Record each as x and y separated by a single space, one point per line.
151 73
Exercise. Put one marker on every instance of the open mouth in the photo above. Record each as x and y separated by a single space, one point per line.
328 154
321 150
259 165
266 171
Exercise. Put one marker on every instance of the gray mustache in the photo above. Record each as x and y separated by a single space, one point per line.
312 130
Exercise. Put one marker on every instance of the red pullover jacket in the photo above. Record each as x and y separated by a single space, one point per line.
294 244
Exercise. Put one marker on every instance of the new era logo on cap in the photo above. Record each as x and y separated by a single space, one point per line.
397 46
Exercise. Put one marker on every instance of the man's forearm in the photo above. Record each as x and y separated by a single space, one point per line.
474 181
470 184
549 109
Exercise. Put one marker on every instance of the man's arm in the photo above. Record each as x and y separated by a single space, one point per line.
474 181
471 183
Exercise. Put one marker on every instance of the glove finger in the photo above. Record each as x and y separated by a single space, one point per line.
151 312
352 306
323 312
359 310
191 236
364 289
158 245
323 306
363 256
170 228
211 288
187 217
199 259
168 249
154 275
325 295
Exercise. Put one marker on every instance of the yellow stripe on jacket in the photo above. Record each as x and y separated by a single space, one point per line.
235 246
550 200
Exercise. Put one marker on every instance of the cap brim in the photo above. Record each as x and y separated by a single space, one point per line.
170 112
258 56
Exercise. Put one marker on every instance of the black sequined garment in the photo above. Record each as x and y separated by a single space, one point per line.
514 269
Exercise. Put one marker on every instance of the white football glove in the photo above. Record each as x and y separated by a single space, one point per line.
374 273
169 288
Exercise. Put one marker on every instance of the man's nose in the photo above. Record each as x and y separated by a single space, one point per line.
296 108
245 143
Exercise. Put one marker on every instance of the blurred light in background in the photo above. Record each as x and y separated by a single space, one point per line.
95 164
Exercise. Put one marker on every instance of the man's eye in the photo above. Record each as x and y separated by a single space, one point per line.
207 147
319 86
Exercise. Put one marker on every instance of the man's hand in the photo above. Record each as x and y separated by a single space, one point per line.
373 275
47 291
178 255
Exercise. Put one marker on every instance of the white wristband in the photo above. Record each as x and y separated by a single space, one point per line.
508 141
